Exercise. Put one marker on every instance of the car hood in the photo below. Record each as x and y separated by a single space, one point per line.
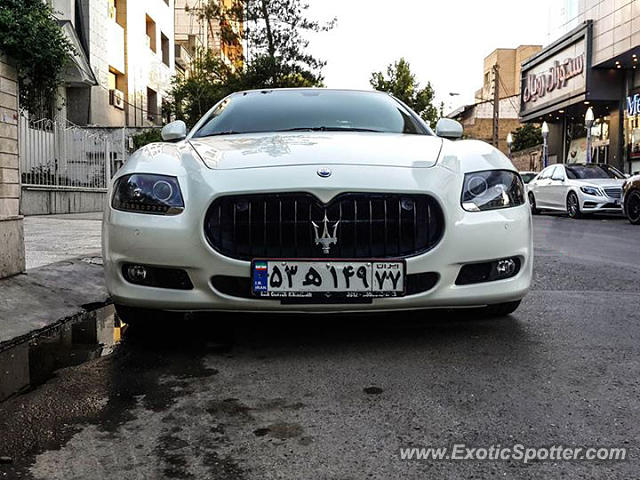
262 150
600 182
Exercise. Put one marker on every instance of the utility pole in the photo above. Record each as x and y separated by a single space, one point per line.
496 105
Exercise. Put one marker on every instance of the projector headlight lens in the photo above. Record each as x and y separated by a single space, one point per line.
491 190
146 193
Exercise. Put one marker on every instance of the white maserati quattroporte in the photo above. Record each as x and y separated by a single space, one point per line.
318 201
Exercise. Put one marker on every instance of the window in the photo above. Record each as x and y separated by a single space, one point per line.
164 41
151 33
152 106
592 170
546 173
118 11
558 173
326 110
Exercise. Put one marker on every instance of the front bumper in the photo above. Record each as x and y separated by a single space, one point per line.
595 204
178 242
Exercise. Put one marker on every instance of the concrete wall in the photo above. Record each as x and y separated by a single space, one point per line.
11 230
528 160
43 201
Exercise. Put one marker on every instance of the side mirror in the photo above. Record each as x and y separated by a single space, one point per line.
174 131
448 128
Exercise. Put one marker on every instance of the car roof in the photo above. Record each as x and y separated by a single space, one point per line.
584 164
308 89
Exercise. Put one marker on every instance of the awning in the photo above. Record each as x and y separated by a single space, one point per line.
78 72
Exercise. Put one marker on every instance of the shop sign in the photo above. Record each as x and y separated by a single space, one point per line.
633 105
559 77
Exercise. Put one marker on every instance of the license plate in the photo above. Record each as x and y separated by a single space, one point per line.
318 278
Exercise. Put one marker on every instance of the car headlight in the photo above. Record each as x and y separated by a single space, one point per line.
491 190
146 193
592 191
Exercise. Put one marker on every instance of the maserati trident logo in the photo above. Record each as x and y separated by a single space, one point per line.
326 240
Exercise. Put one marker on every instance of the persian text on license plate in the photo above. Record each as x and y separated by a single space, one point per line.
293 278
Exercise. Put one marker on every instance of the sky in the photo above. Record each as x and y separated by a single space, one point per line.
445 41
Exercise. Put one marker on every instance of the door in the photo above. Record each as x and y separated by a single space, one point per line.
541 188
558 188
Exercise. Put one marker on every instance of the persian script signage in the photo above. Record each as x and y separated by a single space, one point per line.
559 77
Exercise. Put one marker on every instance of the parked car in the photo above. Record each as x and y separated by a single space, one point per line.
577 189
631 196
313 200
528 176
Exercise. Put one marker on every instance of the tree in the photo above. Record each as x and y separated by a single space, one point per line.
274 32
210 81
30 35
276 29
273 29
402 84
527 136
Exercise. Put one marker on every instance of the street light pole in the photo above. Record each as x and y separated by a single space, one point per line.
589 118
545 146
509 144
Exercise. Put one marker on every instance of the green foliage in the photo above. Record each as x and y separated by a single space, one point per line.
527 136
402 84
211 81
277 59
30 35
146 137
276 29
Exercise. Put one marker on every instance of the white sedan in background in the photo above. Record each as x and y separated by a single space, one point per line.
312 200
577 189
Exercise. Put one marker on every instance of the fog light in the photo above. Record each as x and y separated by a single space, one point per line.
506 268
137 273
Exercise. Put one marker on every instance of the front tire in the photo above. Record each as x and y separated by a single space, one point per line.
501 309
573 205
532 204
632 207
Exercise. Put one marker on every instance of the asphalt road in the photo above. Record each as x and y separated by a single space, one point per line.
317 398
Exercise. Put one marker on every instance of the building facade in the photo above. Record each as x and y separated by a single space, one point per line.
593 64
194 35
130 50
477 119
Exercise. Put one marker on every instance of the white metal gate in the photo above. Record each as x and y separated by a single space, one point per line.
58 154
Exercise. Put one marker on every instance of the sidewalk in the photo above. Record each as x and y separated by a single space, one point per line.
52 238
64 279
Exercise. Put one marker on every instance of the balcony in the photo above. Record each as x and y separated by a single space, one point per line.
183 59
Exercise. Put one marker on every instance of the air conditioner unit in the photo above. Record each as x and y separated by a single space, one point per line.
116 98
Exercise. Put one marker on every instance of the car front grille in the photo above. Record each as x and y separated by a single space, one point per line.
614 192
292 225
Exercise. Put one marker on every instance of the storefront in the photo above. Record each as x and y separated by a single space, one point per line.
560 84
632 124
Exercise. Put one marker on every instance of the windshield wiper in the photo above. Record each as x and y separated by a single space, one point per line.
329 129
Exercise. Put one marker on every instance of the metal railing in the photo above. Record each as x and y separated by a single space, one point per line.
56 153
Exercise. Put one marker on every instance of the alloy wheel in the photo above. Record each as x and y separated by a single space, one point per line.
573 208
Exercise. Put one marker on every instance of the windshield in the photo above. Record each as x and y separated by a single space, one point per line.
527 177
321 110
581 172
